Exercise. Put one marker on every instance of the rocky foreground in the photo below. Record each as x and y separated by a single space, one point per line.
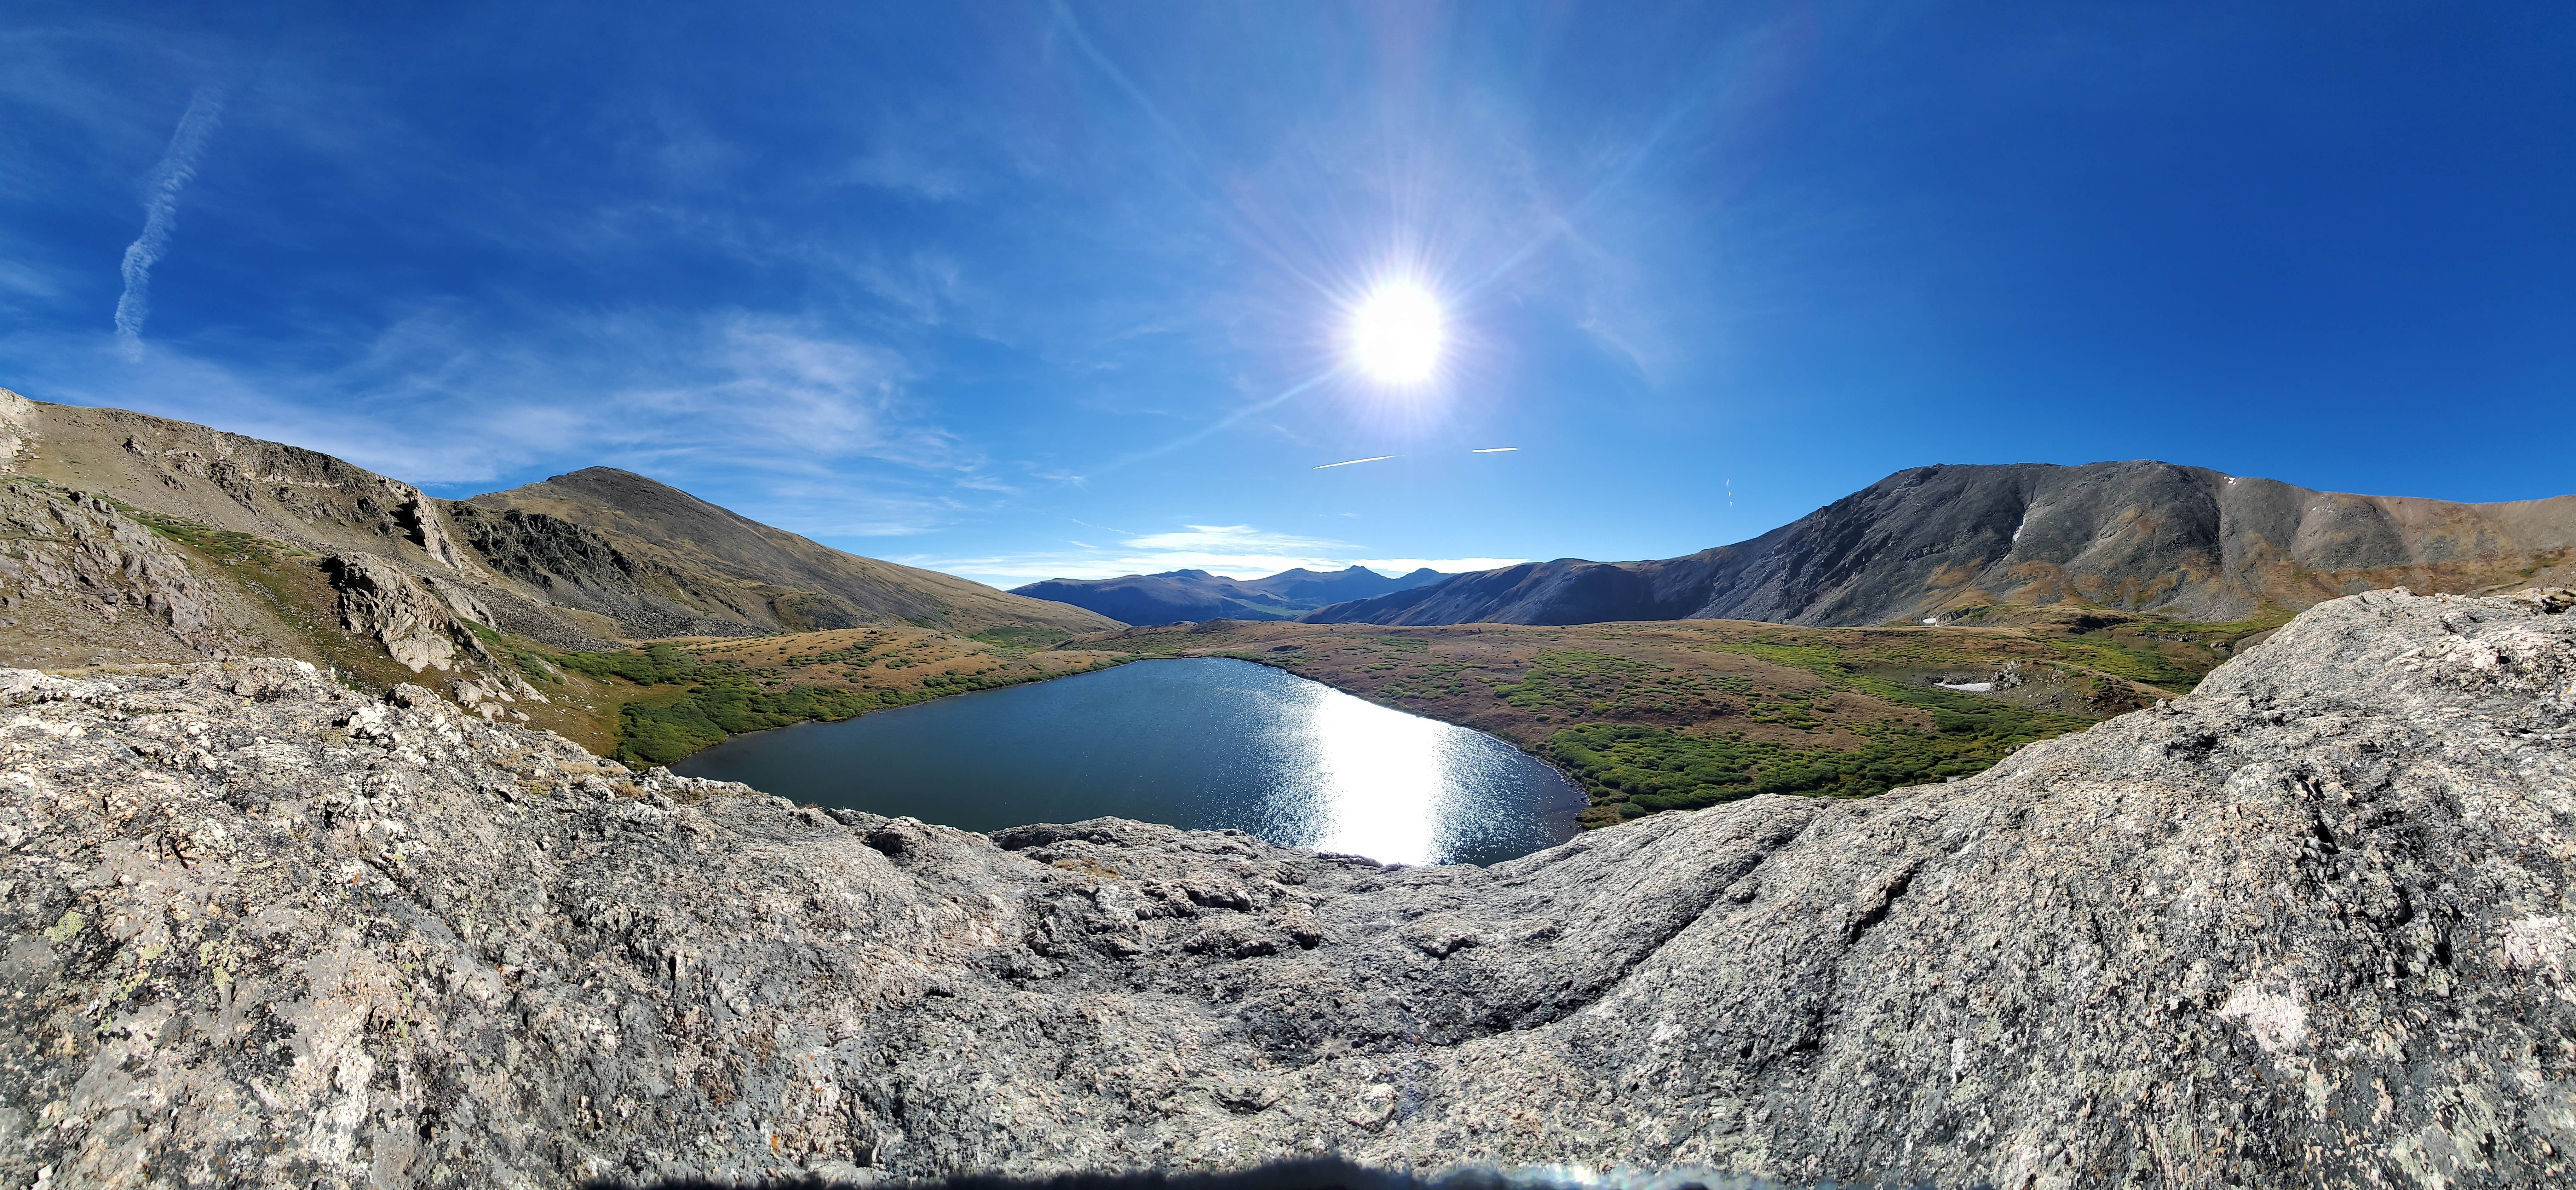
2309 926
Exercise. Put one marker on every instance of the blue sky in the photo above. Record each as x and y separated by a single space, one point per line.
1020 290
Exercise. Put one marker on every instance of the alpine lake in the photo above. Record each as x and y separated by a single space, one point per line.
1201 744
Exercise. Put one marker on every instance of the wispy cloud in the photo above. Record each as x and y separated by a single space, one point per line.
784 419
922 284
1232 538
769 388
1237 551
903 170
160 214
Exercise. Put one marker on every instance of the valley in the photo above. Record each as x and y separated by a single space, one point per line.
636 626
646 625
1644 717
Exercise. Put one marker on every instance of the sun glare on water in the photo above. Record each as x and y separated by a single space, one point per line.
1396 334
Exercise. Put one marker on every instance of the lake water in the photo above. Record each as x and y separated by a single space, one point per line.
1201 743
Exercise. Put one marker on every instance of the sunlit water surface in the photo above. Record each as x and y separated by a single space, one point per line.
1201 744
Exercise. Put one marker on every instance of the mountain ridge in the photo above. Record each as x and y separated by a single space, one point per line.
1945 541
552 563
1178 596
674 553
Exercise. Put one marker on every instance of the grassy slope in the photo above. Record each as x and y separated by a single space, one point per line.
676 697
2165 653
656 703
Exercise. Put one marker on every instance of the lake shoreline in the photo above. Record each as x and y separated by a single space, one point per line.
1129 659
1211 744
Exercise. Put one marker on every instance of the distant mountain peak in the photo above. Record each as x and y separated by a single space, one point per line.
1179 595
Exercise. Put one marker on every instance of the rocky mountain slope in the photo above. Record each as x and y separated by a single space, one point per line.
646 550
577 561
82 584
1178 596
2307 926
1937 543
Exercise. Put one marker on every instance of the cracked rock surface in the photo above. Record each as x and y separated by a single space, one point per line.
2308 926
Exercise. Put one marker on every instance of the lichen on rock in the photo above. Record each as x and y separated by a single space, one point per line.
2306 926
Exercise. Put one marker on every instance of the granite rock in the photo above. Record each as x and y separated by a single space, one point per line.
2307 926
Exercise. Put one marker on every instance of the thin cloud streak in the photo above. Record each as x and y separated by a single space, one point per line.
160 214
1224 423
1349 462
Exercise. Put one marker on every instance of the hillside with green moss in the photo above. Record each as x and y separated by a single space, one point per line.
674 698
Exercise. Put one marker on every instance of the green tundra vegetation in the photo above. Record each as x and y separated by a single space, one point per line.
675 698
1638 769
1681 714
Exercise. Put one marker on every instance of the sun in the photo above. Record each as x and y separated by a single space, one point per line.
1396 333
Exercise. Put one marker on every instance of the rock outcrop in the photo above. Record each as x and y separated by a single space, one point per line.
84 582
575 567
381 600
80 551
1929 542
2311 925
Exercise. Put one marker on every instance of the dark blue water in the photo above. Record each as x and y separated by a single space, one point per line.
1203 744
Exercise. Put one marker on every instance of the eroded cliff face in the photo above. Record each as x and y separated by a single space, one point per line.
2308 926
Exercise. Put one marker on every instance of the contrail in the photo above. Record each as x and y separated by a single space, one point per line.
1493 450
1220 424
160 213
1348 462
